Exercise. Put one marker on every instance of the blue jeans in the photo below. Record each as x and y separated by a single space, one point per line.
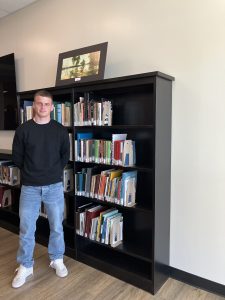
30 202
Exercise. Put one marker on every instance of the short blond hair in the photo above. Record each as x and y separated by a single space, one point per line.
43 93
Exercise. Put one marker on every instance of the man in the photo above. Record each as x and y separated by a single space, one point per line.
41 151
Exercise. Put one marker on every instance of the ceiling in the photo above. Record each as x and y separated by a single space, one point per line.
8 7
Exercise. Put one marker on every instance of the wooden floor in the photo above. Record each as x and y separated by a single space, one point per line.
83 282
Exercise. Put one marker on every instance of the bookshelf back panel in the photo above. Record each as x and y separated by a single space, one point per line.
144 189
138 228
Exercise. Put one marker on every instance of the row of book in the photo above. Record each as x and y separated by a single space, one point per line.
26 111
118 151
9 173
111 185
61 112
88 113
100 224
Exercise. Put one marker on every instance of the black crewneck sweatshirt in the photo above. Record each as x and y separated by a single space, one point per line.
41 151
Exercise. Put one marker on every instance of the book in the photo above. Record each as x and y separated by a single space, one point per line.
14 175
129 153
80 137
27 110
117 137
104 223
98 234
4 171
90 214
128 188
108 227
116 231
5 196
80 217
68 178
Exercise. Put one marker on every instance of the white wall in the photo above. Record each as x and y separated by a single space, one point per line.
182 38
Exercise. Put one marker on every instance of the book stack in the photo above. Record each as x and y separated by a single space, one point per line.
92 112
62 113
112 185
5 196
26 111
9 173
123 150
119 151
100 224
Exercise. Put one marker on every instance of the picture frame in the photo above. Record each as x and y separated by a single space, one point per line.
81 65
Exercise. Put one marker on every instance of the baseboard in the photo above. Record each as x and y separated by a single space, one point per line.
204 284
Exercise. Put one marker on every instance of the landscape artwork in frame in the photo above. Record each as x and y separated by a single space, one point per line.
81 65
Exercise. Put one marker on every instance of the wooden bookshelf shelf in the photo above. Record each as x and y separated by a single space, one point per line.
127 248
136 207
123 127
139 168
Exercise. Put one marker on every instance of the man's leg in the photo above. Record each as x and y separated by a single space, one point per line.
53 198
30 201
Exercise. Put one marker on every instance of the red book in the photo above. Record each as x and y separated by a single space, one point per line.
90 214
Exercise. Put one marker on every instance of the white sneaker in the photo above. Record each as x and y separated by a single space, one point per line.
21 276
59 267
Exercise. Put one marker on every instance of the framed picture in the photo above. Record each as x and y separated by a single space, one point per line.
81 65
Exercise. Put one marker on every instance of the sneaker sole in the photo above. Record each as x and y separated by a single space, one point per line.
61 276
28 278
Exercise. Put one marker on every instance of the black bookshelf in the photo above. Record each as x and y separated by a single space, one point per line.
142 109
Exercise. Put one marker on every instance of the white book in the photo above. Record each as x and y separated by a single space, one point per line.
117 137
116 231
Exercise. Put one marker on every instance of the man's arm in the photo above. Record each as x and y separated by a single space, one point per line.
18 149
65 149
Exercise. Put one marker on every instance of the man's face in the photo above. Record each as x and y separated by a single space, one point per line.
42 106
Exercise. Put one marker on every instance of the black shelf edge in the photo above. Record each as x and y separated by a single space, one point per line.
15 187
124 247
119 272
9 226
5 154
112 204
9 209
115 127
138 168
147 75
